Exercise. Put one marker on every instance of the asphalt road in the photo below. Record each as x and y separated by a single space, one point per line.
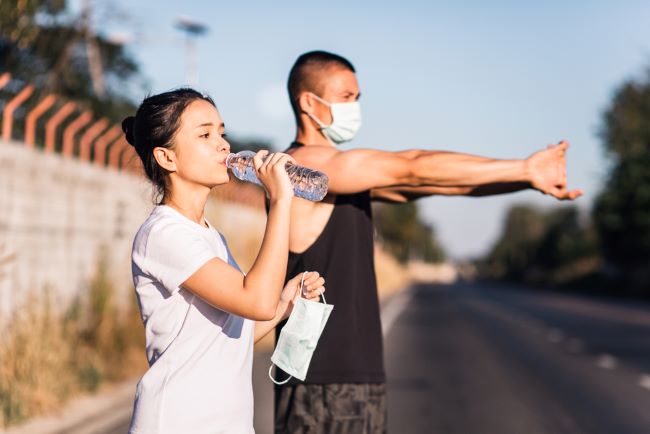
485 359
480 359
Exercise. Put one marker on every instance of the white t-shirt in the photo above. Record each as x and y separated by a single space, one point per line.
200 357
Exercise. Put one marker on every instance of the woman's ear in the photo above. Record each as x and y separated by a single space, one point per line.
166 158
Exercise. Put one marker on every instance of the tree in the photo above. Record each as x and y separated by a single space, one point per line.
542 247
43 45
514 252
622 210
402 232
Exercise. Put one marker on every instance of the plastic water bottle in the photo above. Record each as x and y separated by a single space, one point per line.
307 183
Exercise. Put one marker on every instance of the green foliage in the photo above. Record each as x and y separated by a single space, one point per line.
545 247
403 233
18 19
622 210
43 45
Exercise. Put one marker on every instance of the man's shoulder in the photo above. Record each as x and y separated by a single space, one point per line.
313 151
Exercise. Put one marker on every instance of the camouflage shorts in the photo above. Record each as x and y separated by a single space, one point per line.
331 408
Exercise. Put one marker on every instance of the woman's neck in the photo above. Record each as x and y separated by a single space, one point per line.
190 204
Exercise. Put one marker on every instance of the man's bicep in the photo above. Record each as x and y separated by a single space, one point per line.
362 169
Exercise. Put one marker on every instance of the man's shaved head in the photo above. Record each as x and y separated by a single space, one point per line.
309 71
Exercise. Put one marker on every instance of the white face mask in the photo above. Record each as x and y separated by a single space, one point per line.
299 337
346 120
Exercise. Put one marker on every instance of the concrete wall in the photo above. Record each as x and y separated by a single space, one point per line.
56 215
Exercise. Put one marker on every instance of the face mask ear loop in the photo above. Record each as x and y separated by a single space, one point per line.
320 123
321 100
302 284
279 383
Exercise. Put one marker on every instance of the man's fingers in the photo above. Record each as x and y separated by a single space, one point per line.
574 194
563 145
564 194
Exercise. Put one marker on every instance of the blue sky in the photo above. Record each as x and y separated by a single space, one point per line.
500 78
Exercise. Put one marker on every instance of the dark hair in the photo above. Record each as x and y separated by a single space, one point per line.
302 76
155 124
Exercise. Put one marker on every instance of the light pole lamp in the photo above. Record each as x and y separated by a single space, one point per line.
192 30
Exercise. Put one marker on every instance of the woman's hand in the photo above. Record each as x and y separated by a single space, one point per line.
270 168
313 287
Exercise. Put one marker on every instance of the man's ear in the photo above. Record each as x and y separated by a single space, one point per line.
306 102
166 158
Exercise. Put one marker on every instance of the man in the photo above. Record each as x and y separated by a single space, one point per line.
344 391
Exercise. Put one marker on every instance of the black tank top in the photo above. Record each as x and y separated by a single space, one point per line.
350 348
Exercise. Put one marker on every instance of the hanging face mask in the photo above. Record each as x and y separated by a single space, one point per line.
299 337
346 120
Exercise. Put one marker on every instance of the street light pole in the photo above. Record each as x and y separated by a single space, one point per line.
192 30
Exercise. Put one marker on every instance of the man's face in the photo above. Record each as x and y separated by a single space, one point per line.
336 85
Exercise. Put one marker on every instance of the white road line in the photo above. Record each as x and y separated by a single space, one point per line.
606 361
393 309
644 381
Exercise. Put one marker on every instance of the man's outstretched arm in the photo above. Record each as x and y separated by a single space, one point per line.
359 170
402 194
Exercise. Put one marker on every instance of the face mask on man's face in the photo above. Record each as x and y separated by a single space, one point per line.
346 120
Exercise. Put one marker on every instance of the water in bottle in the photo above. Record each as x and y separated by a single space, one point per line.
307 183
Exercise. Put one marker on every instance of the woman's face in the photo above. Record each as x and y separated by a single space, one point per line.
200 146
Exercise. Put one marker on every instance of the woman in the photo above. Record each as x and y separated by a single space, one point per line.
201 314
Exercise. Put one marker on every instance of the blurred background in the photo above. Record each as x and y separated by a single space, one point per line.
503 314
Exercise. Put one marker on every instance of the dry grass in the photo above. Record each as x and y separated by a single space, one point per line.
46 356
242 226
392 276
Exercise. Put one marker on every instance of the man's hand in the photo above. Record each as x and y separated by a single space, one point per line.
547 172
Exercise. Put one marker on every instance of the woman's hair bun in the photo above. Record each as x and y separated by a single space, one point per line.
127 127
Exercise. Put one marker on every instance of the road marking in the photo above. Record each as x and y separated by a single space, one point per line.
393 309
644 381
555 335
606 361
